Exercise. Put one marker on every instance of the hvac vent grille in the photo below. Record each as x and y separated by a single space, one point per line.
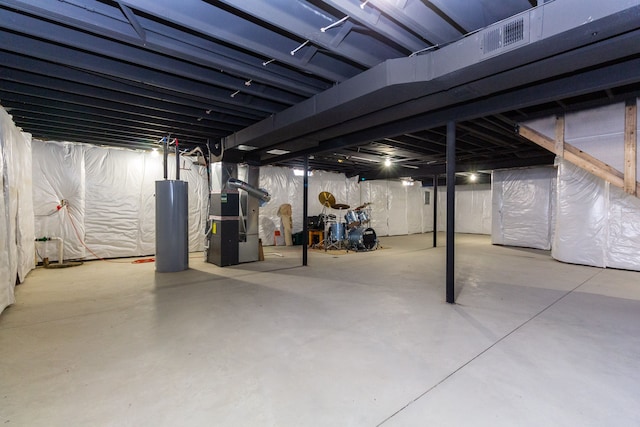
509 34
513 32
493 40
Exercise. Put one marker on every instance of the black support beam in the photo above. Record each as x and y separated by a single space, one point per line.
451 212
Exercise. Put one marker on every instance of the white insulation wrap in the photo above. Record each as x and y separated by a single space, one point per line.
597 224
394 209
377 193
596 131
523 207
473 209
285 187
109 195
16 208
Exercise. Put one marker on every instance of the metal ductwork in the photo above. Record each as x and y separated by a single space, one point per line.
542 43
251 190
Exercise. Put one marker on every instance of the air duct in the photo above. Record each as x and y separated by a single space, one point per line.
252 191
542 43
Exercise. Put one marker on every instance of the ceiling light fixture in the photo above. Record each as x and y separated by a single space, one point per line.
387 162
233 95
278 152
364 4
300 172
473 177
265 63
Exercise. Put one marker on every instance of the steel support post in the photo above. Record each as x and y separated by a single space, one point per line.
451 213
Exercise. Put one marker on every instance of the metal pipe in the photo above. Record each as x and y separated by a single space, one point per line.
177 161
165 156
435 210
251 190
451 213
60 246
305 201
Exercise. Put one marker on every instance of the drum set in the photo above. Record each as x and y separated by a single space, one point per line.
353 233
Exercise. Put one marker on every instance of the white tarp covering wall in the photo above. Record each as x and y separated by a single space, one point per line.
473 209
597 131
16 208
523 201
109 194
597 224
285 187
395 209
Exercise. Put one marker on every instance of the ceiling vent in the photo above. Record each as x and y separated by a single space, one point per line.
505 36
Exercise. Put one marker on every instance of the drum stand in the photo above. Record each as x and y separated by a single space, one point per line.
340 243
328 200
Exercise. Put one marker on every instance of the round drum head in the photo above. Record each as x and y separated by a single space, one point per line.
362 239
369 238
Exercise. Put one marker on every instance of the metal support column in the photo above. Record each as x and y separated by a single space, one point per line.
451 214
435 210
305 201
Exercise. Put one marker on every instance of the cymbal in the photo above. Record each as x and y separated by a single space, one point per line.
363 206
326 199
339 206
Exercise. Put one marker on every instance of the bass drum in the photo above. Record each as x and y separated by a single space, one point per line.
362 239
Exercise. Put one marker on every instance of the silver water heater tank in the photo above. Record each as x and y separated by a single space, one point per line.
172 226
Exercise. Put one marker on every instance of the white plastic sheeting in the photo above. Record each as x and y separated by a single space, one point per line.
378 194
472 206
597 224
599 132
522 209
59 174
16 208
110 199
419 215
596 131
395 209
285 187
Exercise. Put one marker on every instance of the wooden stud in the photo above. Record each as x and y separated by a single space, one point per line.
593 165
559 146
630 147
537 137
578 157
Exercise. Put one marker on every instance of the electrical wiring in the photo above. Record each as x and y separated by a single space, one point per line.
55 211
38 253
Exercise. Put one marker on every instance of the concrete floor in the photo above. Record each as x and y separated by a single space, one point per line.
362 339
